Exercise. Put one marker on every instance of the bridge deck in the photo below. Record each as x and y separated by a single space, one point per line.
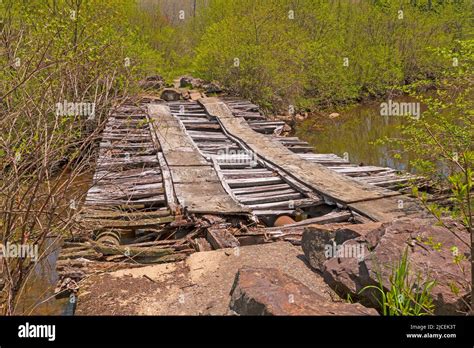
374 175
196 184
220 157
127 189
329 183
263 189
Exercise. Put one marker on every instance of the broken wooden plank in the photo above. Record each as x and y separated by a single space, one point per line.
325 181
221 238
196 183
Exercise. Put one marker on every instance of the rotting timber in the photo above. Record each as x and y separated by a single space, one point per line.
173 178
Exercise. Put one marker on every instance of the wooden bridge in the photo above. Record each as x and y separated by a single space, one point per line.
177 177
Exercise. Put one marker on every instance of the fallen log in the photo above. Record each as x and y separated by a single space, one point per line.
131 251
88 254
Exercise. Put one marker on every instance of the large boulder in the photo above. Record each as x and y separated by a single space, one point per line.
431 249
321 242
212 88
268 291
171 94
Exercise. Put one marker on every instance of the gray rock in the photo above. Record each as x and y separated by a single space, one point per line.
355 230
185 81
155 82
171 94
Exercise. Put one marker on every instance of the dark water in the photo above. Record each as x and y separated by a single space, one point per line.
354 131
38 295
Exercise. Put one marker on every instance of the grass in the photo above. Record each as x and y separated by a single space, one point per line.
408 295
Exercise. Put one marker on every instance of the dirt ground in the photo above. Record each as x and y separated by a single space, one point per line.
200 285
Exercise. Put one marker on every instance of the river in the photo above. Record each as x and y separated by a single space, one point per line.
354 132
37 297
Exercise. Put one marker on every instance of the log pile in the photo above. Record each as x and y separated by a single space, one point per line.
127 192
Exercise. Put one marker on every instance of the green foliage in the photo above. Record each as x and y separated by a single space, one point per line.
300 60
246 51
407 295
442 138
60 50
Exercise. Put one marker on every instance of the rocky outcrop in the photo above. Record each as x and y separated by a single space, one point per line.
203 280
268 291
155 82
432 251
355 230
314 241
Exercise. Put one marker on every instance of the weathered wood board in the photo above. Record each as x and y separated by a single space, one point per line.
339 187
388 208
196 183
177 147
336 186
128 191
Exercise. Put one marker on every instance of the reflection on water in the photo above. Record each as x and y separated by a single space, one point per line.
38 295
353 131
